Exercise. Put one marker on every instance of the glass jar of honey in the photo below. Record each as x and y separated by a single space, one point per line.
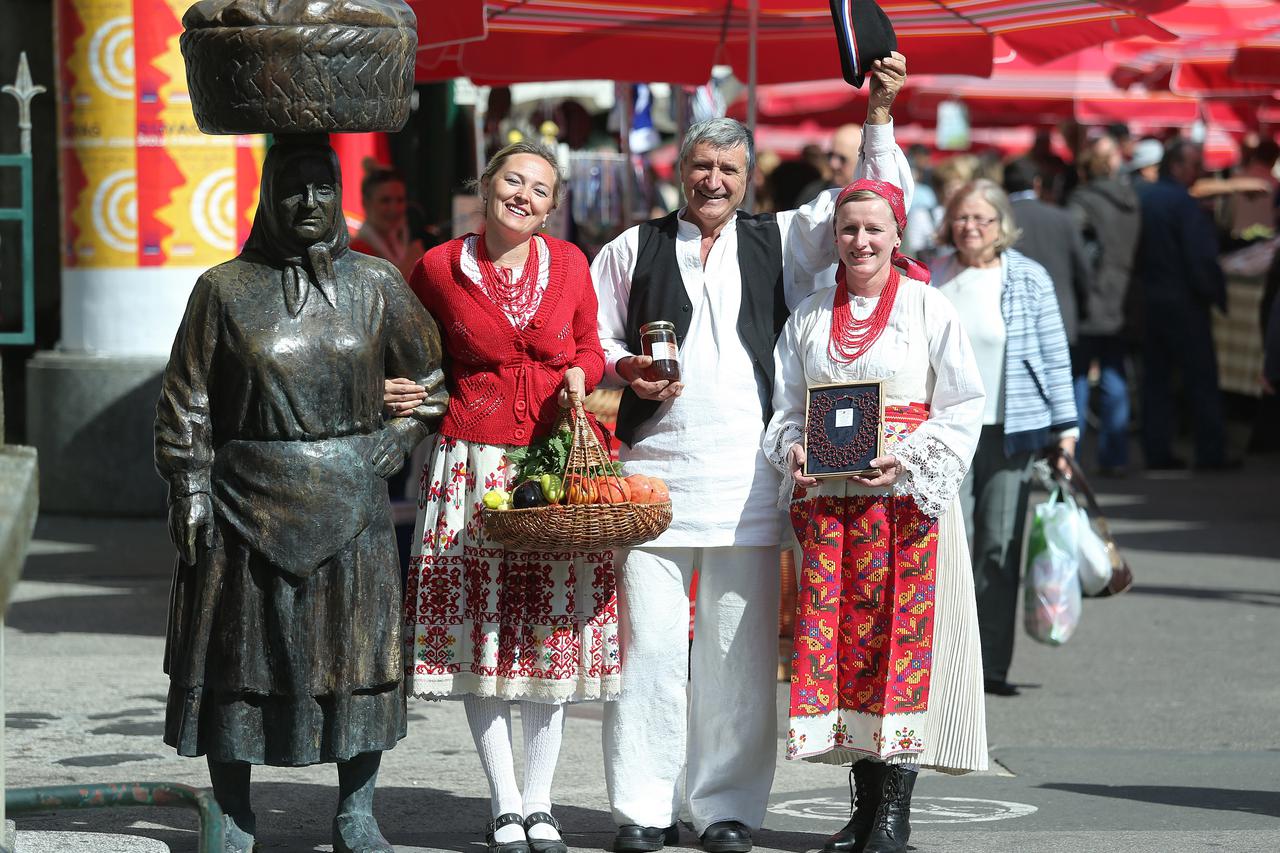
658 341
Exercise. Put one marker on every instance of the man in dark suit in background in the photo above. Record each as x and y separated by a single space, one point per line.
1177 269
1051 238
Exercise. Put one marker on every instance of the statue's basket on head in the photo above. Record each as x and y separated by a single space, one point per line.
296 68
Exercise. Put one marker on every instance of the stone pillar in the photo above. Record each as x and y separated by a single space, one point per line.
148 203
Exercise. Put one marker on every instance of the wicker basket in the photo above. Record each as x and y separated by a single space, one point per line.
299 79
578 527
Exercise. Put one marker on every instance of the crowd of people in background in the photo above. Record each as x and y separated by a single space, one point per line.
1133 257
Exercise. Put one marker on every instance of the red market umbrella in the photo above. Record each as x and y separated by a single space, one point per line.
679 41
1201 62
1258 60
1077 87
1017 93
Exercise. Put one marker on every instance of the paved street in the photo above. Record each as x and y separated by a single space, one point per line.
1155 729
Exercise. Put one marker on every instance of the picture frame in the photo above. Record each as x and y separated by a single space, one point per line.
841 440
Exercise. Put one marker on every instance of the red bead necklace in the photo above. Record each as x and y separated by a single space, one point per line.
851 338
515 296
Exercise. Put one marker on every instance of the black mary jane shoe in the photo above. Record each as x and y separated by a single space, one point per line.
632 838
544 845
521 846
726 836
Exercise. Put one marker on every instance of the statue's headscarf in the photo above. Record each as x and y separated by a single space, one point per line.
892 194
274 241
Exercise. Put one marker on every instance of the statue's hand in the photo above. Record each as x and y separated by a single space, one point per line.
395 442
191 523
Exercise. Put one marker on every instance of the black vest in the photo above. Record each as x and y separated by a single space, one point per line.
657 293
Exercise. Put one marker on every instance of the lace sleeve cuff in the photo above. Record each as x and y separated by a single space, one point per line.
777 456
933 475
777 452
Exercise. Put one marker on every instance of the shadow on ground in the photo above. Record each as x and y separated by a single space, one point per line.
1259 597
294 818
1217 799
133 609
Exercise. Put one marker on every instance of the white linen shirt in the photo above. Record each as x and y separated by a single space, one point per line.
706 443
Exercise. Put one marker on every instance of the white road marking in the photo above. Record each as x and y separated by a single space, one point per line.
923 809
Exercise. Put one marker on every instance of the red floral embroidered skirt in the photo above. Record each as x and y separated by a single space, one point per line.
864 625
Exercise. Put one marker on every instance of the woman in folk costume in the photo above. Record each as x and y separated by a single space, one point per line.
887 670
517 313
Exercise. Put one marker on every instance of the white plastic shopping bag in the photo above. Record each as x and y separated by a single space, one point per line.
1052 578
1095 561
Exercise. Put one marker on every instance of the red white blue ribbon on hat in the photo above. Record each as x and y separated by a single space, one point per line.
843 10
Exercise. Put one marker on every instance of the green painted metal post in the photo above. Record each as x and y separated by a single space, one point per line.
23 90
27 333
57 798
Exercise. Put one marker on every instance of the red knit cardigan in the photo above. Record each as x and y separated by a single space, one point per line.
504 382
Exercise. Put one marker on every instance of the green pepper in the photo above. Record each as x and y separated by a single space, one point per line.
552 488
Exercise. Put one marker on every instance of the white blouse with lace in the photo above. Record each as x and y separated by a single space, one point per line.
923 356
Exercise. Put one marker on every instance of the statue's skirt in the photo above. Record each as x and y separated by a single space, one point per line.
271 666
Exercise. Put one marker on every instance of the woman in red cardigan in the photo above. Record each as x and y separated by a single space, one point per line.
517 315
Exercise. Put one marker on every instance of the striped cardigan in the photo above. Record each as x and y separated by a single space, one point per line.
1039 402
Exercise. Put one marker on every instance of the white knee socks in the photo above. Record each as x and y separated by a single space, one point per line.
543 724
490 721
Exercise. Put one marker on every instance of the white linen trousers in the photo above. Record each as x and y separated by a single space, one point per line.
708 714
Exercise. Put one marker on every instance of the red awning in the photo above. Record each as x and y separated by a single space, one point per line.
679 41
1200 62
1017 93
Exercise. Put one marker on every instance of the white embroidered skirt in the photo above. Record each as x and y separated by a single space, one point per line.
535 625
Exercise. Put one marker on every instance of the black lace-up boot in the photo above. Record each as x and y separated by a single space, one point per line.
892 825
865 781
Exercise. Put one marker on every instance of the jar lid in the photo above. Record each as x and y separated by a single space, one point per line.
658 326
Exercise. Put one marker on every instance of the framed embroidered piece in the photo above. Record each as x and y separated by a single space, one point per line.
842 429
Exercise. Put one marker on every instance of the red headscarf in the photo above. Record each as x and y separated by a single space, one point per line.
897 203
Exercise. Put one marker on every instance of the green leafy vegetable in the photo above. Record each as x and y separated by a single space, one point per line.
547 455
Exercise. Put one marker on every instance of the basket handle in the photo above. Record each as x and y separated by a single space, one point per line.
585 451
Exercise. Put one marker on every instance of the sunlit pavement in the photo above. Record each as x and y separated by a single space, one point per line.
1154 729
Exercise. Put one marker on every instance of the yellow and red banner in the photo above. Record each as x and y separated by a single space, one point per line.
141 185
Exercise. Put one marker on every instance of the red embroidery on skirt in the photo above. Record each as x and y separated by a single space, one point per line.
864 616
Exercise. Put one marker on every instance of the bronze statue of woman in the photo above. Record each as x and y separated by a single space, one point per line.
284 640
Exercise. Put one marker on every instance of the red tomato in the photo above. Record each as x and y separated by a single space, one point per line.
641 490
612 491
660 493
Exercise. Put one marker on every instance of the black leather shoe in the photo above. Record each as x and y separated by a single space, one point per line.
892 825
644 839
544 845
495 846
1167 463
999 687
866 779
726 836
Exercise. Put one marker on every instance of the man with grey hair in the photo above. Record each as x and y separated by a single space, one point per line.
726 279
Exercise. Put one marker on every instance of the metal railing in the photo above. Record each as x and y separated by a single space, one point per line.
23 90
61 797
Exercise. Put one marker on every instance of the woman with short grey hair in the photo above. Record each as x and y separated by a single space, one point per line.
1007 307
